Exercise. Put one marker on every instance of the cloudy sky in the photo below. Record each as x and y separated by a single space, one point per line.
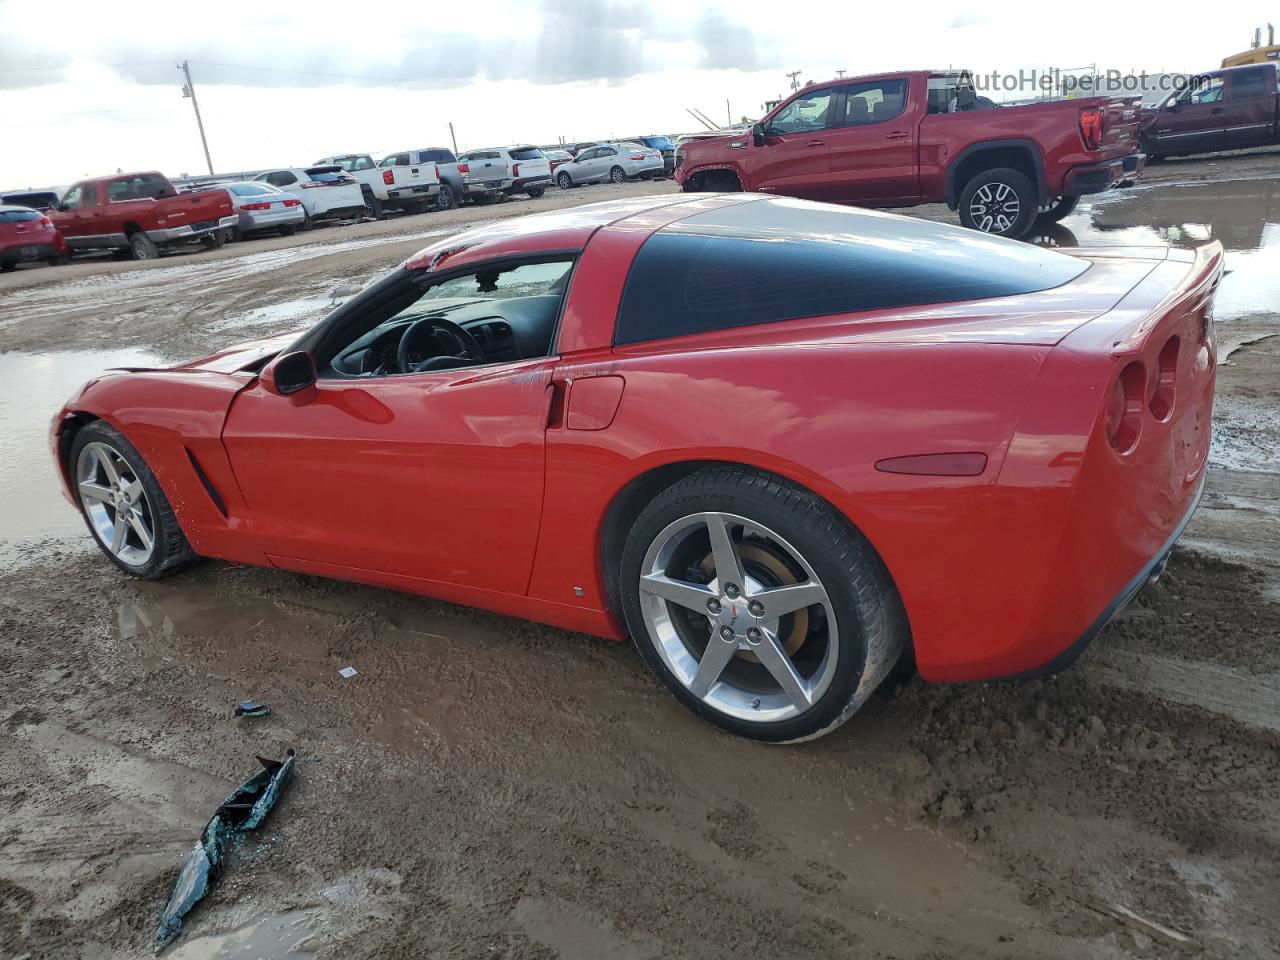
86 88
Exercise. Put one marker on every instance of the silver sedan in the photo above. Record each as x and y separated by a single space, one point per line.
261 206
618 162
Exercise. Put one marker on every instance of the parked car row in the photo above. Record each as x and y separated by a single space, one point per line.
144 214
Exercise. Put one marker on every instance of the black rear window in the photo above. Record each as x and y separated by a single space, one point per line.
40 199
771 260
526 153
18 216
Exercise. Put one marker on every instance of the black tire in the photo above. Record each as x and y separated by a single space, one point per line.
212 241
563 180
288 230
872 632
535 192
61 260
142 247
618 175
1059 208
1000 202
483 199
171 551
306 223
8 266
372 205
445 199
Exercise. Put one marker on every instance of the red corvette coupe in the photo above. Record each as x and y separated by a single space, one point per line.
783 445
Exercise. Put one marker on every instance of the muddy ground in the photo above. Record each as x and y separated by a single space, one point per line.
489 788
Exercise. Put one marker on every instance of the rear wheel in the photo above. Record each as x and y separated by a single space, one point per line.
142 247
288 230
535 192
306 221
372 205
212 241
1056 209
618 175
8 266
564 181
61 260
123 505
761 609
1001 202
445 199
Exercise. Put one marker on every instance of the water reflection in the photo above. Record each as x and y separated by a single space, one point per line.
1244 215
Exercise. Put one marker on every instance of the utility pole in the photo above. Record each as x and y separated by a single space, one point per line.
190 91
840 74
453 138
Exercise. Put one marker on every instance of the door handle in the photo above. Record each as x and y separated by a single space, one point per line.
815 143
897 135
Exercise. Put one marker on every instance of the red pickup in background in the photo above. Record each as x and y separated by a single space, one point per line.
902 139
142 213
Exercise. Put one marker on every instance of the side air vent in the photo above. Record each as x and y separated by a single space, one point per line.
209 488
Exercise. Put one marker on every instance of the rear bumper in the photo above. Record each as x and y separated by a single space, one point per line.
1097 177
417 191
250 220
25 252
518 186
190 231
1150 571
485 187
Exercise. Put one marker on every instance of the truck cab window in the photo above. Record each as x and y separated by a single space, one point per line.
72 200
803 114
875 102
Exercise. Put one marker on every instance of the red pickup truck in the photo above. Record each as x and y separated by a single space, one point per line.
901 139
1220 110
141 213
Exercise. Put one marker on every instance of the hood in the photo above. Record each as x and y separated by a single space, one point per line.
716 144
243 356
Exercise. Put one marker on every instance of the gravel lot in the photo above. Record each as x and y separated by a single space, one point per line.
489 788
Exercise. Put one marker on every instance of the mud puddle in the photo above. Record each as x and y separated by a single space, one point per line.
1243 214
33 387
282 937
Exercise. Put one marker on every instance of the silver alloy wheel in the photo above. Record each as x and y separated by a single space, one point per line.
743 669
994 205
617 175
113 499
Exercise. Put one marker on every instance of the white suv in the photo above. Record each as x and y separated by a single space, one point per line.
530 171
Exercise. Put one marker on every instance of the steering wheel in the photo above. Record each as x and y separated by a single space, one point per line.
466 350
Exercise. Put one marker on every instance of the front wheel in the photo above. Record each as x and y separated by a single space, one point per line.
758 605
1001 202
564 181
1056 209
618 175
123 505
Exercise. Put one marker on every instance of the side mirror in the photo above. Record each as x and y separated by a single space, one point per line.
290 374
757 134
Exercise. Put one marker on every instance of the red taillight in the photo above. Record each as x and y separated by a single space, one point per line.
1091 127
46 222
436 168
515 169
1124 408
256 206
637 156
464 168
1161 385
292 203
388 178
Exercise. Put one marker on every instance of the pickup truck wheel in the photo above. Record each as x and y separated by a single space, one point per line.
212 241
445 200
142 247
618 175
1001 202
8 266
1056 209
372 205
564 181
535 192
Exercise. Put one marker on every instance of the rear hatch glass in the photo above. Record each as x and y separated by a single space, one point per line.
18 216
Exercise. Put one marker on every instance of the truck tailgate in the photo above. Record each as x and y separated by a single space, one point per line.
1120 121
193 208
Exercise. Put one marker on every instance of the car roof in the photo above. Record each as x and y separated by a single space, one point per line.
10 207
542 232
